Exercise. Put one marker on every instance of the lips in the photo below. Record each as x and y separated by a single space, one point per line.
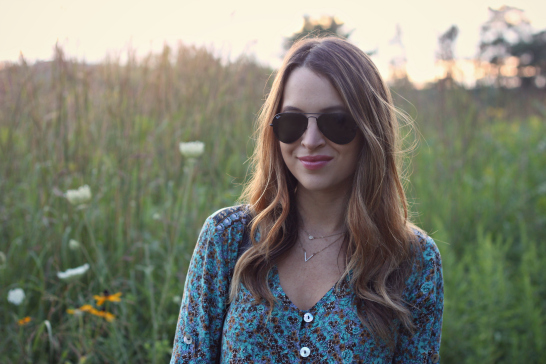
313 162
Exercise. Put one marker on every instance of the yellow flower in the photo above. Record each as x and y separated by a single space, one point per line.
104 314
87 308
108 316
76 312
107 297
24 321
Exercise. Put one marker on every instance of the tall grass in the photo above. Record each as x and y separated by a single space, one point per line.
477 182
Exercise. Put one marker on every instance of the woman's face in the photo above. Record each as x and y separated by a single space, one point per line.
317 163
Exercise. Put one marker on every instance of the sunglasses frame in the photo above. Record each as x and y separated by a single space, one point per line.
317 117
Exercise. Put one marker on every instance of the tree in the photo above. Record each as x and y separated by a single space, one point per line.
325 26
446 52
532 60
506 27
398 71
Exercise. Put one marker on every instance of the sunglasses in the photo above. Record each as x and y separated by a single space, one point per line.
338 127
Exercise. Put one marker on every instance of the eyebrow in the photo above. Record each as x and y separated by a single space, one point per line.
325 110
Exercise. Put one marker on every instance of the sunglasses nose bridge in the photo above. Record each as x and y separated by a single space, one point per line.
313 137
314 116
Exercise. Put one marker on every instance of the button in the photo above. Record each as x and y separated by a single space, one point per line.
435 358
187 339
308 317
304 352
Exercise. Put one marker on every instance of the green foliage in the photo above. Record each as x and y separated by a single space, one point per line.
477 181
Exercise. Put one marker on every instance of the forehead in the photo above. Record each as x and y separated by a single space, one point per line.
309 92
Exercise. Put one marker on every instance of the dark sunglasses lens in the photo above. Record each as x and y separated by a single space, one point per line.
289 127
339 128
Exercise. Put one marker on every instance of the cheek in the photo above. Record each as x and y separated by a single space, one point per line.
286 152
355 157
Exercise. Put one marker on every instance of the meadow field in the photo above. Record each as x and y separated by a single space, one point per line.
476 183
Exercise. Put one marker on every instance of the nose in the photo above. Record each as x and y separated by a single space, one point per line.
312 138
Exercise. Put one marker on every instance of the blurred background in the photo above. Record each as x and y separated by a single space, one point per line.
100 204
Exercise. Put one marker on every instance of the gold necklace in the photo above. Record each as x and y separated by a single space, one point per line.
315 253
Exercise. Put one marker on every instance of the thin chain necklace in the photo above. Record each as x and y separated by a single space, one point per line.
315 253
312 237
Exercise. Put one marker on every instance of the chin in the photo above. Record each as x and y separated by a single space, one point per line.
323 186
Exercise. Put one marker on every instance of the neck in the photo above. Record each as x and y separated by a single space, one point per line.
322 213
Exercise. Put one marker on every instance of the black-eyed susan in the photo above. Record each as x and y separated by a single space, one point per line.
24 321
108 316
87 308
75 311
107 297
104 314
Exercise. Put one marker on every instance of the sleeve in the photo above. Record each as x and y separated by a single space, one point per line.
199 330
425 298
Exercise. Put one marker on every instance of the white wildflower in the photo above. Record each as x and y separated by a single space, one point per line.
73 244
79 196
73 273
177 300
16 296
156 216
192 149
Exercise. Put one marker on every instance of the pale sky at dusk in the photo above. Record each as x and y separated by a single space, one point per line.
89 30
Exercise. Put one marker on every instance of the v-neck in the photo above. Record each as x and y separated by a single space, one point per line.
276 280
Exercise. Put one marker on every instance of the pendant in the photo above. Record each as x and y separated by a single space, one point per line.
306 259
311 237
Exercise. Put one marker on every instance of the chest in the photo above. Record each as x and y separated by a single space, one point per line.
328 332
306 276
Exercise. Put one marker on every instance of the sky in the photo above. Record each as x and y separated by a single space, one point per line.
90 30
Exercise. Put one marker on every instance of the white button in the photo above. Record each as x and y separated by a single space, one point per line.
304 352
187 339
308 317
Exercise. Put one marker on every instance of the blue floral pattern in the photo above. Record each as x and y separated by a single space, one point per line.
210 330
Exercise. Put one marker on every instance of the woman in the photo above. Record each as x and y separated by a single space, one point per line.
322 265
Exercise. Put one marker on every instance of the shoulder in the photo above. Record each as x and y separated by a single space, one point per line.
226 224
227 221
220 237
230 216
427 250
426 271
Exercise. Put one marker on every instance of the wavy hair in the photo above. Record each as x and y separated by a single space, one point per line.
379 236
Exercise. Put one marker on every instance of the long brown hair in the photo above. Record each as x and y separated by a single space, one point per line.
379 237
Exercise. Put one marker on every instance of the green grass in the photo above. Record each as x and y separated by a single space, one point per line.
477 185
